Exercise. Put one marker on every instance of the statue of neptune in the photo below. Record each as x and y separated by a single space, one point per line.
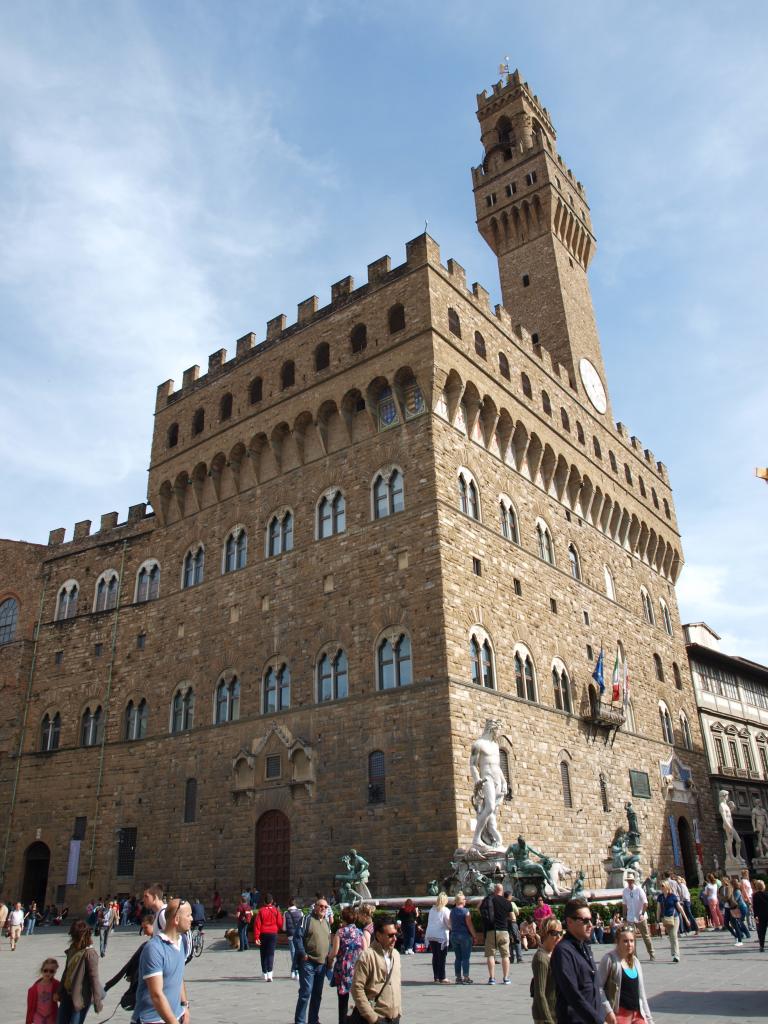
490 786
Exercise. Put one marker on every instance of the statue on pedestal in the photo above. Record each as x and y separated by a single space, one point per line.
760 826
354 881
522 868
622 856
577 891
650 886
633 831
490 786
732 837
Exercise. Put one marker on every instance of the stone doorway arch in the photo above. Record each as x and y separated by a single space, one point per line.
37 861
273 855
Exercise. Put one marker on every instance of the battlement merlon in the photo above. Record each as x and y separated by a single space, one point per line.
418 251
513 92
108 524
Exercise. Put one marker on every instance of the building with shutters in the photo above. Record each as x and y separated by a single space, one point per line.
400 514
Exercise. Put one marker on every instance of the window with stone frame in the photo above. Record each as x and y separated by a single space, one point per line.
331 515
666 618
544 543
469 499
135 720
546 403
322 356
610 588
277 688
194 567
454 324
255 390
227 707
504 366
198 422
172 436
66 601
235 555
562 689
667 731
658 668
9 617
287 374
332 676
280 534
126 852
565 782
92 727
148 582
596 448
388 493
647 603
685 731
225 408
396 318
565 420
480 349
508 520
358 338
504 765
394 661
50 731
105 597
574 561
377 777
525 383
183 710
481 661
525 676
604 801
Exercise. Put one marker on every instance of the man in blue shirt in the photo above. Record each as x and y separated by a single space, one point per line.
161 997
574 971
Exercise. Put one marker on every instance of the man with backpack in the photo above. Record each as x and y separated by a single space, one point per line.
313 944
496 912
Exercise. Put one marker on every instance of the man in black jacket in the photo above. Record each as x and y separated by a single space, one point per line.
572 966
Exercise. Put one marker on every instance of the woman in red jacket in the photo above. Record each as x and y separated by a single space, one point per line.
266 925
42 1004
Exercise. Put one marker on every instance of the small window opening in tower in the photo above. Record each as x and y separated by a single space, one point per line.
526 280
530 178
511 188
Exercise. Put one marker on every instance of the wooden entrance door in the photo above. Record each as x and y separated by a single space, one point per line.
273 855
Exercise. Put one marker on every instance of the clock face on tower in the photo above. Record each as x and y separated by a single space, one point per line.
590 378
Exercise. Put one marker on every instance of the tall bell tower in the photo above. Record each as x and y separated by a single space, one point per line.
533 213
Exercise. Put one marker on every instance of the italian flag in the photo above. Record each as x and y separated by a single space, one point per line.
616 695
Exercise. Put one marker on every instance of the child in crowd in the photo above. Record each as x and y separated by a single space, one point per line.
42 1004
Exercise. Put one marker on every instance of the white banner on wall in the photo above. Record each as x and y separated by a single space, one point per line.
73 864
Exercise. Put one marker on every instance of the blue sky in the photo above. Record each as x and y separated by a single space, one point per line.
173 175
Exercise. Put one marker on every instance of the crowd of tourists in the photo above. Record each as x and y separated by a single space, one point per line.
570 980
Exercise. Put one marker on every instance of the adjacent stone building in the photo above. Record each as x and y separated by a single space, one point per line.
395 517
732 698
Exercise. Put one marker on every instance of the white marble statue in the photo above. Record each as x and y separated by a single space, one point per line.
732 837
490 786
760 825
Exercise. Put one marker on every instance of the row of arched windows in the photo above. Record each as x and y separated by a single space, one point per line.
358 342
393 669
667 729
469 505
454 326
388 498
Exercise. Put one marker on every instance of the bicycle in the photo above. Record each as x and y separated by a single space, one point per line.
198 941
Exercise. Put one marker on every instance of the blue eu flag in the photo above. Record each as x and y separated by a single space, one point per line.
597 675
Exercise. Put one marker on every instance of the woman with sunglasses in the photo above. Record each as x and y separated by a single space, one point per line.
41 997
620 977
543 984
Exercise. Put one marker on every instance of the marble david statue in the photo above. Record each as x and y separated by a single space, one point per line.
490 786
732 837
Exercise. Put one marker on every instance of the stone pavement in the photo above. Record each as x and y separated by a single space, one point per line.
714 982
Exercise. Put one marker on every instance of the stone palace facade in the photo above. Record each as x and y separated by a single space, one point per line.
400 515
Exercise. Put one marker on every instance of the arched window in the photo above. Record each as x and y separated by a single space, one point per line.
332 676
676 676
397 318
546 405
480 345
66 602
255 390
641 485
504 366
135 723
280 534
331 515
504 765
544 541
105 597
575 562
454 324
525 381
377 777
610 589
647 603
508 520
481 661
198 422
613 462
388 494
469 502
288 374
227 700
50 732
667 513
562 688
9 617
172 435
91 727
525 677
358 339
654 497
194 567
277 688
394 662
504 132
666 723
565 780
235 550
666 618
659 668
148 582
565 421
183 710
190 801
685 731
604 793
225 407
580 433
322 356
